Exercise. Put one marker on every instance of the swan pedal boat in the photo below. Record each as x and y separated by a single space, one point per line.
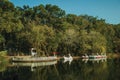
94 56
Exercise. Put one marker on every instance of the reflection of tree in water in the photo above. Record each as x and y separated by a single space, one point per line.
81 71
69 72
114 69
25 73
95 71
45 73
16 73
78 70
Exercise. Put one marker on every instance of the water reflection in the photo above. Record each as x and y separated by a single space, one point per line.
77 70
114 69
34 64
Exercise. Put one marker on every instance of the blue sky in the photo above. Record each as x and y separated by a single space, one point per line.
106 9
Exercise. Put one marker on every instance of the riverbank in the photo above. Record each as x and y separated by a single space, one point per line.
10 57
111 55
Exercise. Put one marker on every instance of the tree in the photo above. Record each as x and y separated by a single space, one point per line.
43 38
116 39
2 40
6 5
93 42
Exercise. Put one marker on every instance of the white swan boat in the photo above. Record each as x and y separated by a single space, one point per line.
68 59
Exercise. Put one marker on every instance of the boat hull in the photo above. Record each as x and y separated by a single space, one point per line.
34 59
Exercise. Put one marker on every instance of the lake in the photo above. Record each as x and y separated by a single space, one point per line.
59 70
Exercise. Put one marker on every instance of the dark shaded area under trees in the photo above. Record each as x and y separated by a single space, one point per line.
49 29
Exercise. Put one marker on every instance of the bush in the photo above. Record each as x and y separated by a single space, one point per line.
3 53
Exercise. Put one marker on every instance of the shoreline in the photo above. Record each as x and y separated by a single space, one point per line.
61 57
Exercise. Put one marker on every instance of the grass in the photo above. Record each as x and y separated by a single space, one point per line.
3 53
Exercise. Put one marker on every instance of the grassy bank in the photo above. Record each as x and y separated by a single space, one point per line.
3 60
113 55
3 53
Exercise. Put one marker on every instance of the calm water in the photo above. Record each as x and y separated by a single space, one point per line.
76 70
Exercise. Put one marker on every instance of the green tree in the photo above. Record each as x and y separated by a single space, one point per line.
92 43
116 39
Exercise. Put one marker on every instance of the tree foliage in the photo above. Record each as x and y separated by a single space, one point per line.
49 29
